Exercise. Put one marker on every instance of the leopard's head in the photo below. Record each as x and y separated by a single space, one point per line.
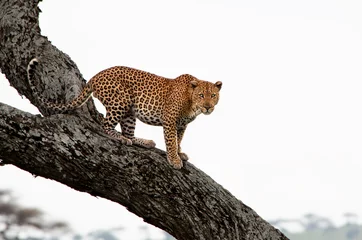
205 95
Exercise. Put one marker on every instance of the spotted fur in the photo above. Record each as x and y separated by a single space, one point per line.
129 93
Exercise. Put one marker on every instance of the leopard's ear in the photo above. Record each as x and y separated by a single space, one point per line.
218 84
194 83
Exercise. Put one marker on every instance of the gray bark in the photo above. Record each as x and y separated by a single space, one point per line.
72 148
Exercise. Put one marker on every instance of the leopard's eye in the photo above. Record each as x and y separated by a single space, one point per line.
213 95
201 95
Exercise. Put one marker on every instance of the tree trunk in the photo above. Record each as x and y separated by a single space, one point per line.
72 148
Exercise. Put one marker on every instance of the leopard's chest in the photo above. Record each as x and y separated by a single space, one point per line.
183 121
154 117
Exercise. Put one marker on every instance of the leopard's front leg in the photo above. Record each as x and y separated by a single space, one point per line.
170 134
180 134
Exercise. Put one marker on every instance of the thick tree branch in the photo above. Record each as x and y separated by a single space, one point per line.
72 148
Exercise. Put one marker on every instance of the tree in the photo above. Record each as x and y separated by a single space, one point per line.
312 222
14 218
72 148
351 218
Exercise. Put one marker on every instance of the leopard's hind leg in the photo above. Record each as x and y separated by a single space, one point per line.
113 116
128 125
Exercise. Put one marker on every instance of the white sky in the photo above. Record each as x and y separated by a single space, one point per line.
286 135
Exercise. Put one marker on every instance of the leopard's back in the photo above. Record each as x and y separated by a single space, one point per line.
141 92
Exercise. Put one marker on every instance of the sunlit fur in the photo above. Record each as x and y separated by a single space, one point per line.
129 93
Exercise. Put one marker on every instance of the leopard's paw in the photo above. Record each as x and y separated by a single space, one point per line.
143 142
176 163
117 135
125 140
183 156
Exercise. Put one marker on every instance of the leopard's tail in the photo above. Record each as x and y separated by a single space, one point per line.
81 99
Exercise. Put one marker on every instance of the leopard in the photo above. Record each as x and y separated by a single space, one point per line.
129 94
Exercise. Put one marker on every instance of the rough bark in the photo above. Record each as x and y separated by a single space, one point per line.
72 148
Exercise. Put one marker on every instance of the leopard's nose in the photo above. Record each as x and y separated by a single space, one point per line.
208 109
207 106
